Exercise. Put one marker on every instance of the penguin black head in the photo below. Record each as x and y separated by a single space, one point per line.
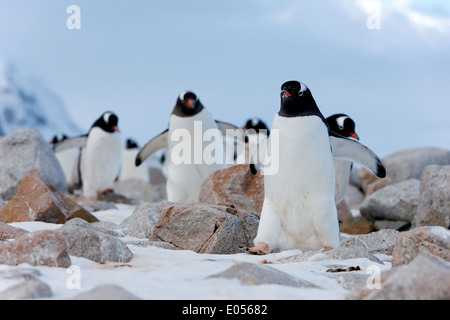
255 124
59 138
187 105
297 100
342 124
131 144
107 122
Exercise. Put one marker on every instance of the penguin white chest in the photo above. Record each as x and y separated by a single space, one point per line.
188 157
101 159
299 209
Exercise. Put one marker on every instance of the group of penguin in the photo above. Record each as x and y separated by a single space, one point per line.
299 210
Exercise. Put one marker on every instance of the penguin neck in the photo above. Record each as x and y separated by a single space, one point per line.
182 111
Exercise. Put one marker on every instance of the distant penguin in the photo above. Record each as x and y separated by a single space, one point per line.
69 160
255 131
299 210
129 169
343 125
185 165
101 155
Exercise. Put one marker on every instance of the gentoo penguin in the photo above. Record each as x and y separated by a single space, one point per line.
299 211
101 155
188 142
129 169
343 125
69 160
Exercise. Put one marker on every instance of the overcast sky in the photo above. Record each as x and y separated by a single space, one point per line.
385 63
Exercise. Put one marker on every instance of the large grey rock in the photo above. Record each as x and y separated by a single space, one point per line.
404 165
434 199
424 278
141 190
394 202
251 274
94 245
141 223
205 228
432 241
23 151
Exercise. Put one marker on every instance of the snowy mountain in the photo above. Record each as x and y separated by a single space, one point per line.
27 102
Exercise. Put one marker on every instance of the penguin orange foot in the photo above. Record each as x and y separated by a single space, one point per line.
260 249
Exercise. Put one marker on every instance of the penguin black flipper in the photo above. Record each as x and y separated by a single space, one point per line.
155 144
224 126
354 151
76 142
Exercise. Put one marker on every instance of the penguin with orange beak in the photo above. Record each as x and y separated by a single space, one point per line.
343 125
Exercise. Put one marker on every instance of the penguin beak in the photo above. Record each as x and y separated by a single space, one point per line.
190 104
286 94
115 128
354 135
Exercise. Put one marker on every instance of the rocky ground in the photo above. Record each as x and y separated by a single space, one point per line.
394 231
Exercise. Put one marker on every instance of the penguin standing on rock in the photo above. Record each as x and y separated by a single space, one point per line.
343 125
185 165
101 155
299 210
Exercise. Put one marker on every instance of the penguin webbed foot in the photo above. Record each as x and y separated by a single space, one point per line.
260 249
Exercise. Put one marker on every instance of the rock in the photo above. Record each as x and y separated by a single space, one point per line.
141 223
424 278
106 292
394 202
156 176
23 151
343 210
96 226
40 248
432 241
251 274
26 285
434 198
398 225
2 204
10 232
354 197
356 225
234 187
382 241
138 189
88 243
37 200
206 229
404 165
341 253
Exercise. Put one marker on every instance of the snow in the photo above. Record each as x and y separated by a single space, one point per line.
161 274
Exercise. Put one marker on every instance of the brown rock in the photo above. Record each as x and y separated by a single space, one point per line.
371 183
206 229
431 241
40 248
37 200
343 210
234 187
356 225
9 232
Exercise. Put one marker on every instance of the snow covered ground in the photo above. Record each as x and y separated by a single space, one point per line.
157 273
